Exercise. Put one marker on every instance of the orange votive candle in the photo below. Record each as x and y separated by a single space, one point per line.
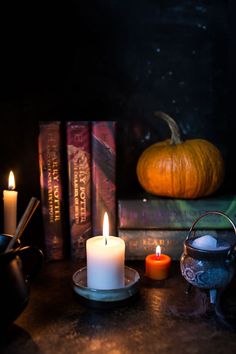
157 265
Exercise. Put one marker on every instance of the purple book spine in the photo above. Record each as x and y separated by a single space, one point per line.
49 143
104 175
79 188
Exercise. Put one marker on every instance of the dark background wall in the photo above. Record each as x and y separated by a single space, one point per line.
115 60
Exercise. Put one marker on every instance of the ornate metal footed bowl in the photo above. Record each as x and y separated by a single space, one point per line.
207 262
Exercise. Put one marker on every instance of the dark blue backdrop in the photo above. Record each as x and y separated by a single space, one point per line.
121 60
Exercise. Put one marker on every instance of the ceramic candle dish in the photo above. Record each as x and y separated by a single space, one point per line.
132 280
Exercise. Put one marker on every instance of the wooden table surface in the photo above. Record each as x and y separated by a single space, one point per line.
161 319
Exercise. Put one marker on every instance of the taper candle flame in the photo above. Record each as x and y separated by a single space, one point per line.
105 227
11 181
10 206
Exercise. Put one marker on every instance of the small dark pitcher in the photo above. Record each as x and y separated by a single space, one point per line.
17 268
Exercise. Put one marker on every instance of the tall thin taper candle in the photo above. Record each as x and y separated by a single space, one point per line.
10 206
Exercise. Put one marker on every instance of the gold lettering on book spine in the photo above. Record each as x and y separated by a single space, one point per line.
81 176
54 208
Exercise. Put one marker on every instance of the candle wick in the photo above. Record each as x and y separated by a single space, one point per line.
105 240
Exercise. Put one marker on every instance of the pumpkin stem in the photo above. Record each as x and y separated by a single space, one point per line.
175 132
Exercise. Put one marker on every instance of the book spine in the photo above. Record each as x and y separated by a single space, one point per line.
161 213
50 164
103 174
79 185
140 243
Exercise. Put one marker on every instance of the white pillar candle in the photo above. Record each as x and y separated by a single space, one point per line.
10 206
105 260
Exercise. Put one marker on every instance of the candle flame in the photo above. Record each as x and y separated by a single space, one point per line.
11 181
158 251
105 227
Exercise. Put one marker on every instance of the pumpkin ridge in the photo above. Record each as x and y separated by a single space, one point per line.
183 179
216 171
207 168
202 175
192 181
175 171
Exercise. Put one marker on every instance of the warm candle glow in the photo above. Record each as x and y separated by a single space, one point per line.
105 260
157 265
10 206
105 227
11 181
158 251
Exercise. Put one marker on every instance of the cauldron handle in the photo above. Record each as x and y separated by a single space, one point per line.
207 213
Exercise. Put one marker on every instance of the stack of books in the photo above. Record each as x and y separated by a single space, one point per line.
85 153
89 166
149 221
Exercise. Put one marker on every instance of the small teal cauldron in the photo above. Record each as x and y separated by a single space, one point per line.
211 268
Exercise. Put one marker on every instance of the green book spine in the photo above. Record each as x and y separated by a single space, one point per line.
164 213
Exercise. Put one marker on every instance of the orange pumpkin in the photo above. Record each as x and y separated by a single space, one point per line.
173 168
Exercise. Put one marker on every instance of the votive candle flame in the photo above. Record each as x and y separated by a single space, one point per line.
157 265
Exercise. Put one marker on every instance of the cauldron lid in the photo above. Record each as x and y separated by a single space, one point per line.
224 250
213 253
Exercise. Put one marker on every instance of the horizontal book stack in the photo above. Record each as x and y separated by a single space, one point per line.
146 222
86 162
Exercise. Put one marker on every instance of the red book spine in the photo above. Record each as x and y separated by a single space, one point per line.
103 175
49 144
79 188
